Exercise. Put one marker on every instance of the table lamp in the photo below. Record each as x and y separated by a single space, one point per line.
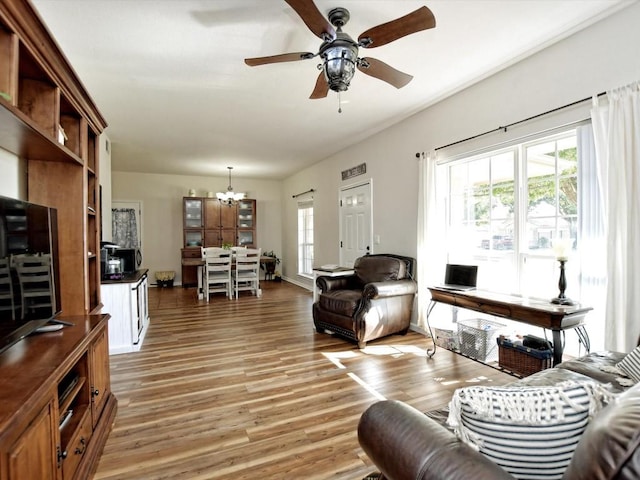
561 249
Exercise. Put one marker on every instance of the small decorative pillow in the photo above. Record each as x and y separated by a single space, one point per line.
531 432
630 364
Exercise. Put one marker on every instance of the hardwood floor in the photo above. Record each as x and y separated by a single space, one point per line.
246 389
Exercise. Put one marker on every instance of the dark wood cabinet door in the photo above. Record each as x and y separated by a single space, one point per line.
212 238
228 216
211 213
189 276
33 455
99 375
228 236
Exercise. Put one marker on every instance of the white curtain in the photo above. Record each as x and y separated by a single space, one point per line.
429 234
616 125
591 238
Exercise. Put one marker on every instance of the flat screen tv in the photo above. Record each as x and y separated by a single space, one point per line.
29 273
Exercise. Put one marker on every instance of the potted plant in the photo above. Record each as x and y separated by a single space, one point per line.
165 278
270 267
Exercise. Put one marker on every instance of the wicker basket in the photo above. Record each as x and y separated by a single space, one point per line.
521 360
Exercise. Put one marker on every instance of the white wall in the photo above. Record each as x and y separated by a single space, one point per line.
593 60
13 180
589 62
161 197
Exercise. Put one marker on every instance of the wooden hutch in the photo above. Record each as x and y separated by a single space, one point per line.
210 223
56 402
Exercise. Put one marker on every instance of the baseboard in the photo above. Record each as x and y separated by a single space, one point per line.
296 281
415 328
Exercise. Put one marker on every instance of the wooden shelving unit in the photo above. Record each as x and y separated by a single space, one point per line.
49 119
209 223
56 405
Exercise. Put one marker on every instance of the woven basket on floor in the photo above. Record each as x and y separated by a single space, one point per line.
521 360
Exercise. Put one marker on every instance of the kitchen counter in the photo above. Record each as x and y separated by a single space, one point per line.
128 277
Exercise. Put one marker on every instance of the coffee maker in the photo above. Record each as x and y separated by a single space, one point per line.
111 266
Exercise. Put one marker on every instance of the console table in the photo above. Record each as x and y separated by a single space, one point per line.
532 311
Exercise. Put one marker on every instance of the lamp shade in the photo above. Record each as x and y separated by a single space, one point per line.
230 195
562 248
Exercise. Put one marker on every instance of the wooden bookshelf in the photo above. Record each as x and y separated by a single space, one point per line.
48 118
57 408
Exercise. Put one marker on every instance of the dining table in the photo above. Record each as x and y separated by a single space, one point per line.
199 263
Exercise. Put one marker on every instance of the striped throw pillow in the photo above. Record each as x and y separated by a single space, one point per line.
630 364
531 432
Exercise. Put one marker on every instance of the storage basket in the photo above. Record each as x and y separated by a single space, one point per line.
446 338
522 360
477 338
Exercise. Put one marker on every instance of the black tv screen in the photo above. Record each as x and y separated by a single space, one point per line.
29 273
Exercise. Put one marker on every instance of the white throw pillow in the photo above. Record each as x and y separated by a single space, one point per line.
531 432
630 364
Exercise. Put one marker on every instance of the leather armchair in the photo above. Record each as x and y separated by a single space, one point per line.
376 301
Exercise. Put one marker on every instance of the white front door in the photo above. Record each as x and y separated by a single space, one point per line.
355 223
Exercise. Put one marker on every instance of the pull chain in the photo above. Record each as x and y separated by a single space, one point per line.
339 103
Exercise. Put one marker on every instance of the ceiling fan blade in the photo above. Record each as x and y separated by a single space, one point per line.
421 19
284 57
384 72
312 17
321 89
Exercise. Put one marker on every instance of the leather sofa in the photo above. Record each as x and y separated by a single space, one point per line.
405 443
376 301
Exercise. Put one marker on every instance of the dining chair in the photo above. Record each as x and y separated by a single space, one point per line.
246 276
35 279
6 288
217 271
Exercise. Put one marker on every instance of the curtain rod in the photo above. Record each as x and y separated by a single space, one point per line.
504 128
298 194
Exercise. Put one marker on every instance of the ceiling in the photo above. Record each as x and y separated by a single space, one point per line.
169 75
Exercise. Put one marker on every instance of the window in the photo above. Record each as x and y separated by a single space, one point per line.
506 208
305 238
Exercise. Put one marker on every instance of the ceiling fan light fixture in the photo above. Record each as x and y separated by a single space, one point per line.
340 60
339 52
230 197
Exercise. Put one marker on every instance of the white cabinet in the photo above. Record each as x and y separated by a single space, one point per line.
141 315
127 301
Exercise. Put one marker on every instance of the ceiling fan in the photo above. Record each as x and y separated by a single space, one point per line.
339 52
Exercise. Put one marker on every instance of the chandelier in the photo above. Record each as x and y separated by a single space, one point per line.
229 197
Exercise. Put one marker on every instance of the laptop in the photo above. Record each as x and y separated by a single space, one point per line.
460 277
